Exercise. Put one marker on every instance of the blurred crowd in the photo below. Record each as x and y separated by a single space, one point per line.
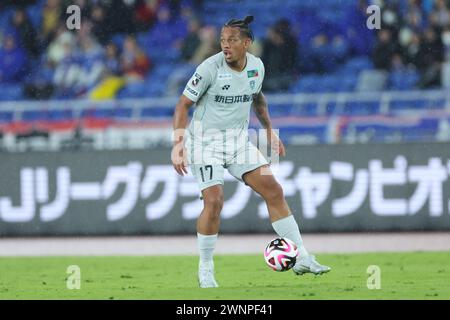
55 61
415 36
122 41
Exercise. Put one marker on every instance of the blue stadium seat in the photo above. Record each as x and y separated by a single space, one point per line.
347 83
102 113
157 112
123 113
332 108
425 130
118 39
6 116
47 115
361 108
108 113
134 90
59 115
403 80
292 133
416 104
309 109
356 64
11 92
34 115
280 110
307 84
35 14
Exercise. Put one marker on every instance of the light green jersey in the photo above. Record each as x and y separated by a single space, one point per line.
223 96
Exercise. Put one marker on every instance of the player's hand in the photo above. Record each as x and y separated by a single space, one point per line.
179 159
276 143
281 148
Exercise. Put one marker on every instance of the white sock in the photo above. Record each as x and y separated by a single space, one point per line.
206 245
288 228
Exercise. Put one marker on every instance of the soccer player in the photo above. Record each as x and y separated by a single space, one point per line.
224 88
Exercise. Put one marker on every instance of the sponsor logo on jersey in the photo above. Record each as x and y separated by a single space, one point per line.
224 76
252 73
226 87
252 84
195 93
233 99
196 79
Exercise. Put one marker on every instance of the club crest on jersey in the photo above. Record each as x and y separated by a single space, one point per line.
252 84
252 73
196 79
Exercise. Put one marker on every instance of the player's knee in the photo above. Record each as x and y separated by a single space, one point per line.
213 204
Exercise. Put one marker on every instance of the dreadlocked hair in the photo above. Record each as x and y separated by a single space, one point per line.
243 25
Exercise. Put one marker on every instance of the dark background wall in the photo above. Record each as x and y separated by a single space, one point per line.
329 188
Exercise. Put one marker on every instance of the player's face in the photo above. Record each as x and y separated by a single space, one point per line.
234 47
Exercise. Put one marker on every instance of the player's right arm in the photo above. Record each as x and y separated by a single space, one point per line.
180 120
196 87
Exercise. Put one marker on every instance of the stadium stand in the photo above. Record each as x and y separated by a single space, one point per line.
337 92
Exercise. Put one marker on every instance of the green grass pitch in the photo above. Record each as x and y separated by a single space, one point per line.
418 275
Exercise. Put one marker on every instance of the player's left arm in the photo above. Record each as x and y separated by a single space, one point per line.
262 113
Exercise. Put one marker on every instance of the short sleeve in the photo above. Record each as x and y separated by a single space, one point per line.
199 83
263 72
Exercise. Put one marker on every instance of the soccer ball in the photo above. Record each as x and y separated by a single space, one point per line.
281 254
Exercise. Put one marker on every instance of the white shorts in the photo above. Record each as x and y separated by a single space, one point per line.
209 162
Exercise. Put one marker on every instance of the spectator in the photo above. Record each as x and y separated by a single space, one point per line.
84 5
384 50
145 14
209 45
397 63
119 17
135 63
280 56
445 38
13 61
410 49
190 44
440 16
82 65
111 80
327 55
414 17
51 18
340 49
91 59
320 49
6 3
174 7
390 17
26 31
61 47
431 49
199 42
99 26
112 59
431 55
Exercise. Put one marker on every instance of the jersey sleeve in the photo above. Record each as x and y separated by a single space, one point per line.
263 73
199 83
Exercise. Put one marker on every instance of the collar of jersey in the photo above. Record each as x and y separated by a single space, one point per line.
238 73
